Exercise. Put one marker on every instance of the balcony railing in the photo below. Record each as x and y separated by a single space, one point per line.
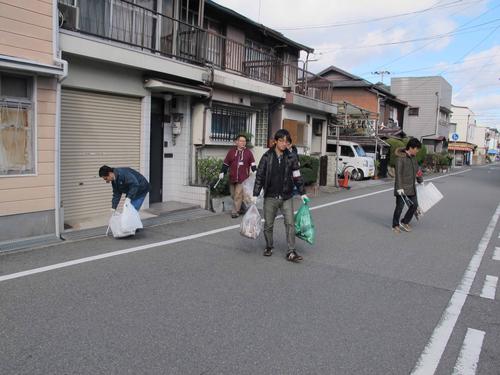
145 29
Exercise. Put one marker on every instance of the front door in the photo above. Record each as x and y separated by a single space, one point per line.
156 151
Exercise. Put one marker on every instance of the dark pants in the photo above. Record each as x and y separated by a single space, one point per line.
412 202
271 207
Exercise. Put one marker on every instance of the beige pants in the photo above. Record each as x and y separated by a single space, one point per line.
237 195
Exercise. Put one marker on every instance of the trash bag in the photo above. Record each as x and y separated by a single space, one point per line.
248 189
428 195
304 226
251 225
130 219
115 225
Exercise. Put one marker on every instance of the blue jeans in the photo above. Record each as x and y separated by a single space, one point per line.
137 202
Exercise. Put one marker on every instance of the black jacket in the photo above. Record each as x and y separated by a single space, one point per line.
291 177
130 182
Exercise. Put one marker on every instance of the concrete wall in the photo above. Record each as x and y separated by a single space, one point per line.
26 225
419 92
26 30
100 76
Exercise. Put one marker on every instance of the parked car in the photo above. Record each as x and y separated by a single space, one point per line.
352 155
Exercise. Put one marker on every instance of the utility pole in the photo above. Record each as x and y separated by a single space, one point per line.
381 73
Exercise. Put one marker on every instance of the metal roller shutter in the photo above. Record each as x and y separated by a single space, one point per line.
96 129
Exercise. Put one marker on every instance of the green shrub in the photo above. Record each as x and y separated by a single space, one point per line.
395 144
208 172
421 155
309 167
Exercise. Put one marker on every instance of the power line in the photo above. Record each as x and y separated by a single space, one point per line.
426 44
431 37
377 19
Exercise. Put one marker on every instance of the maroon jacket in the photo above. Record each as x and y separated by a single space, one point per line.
239 164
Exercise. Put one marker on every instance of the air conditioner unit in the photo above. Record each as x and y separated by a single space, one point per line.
68 17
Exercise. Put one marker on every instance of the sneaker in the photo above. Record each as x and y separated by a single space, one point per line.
292 256
405 227
396 230
268 251
234 215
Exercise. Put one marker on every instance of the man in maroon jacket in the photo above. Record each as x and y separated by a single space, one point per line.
239 160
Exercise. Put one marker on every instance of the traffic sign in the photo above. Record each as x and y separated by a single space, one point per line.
454 137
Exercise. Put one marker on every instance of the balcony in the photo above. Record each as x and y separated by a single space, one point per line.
144 29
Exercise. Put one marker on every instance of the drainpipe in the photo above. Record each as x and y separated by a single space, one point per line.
57 136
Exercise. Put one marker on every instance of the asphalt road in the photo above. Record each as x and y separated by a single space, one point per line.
179 299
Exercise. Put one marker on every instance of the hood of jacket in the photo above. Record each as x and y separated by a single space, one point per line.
401 152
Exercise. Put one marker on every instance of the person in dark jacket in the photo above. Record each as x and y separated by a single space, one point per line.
277 174
239 160
407 171
125 181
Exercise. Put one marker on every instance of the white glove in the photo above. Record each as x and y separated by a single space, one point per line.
400 191
221 176
305 198
253 200
127 200
113 211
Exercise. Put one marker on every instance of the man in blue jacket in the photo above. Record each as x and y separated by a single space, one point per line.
125 181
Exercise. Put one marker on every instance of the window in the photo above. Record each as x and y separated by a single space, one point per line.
346 151
261 128
17 136
413 111
360 151
331 148
228 122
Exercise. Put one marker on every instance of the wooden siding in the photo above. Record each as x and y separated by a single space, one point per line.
26 194
26 29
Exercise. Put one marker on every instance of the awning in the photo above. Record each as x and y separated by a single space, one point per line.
492 151
458 148
157 85
439 138
8 62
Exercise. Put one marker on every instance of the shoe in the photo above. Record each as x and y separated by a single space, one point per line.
292 256
418 213
396 230
405 227
268 251
234 216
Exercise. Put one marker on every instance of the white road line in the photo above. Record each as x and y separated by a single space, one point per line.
469 354
175 240
496 253
489 287
430 357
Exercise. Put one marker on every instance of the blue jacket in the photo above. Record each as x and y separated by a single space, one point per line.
130 182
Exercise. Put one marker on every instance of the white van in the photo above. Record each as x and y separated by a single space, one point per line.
352 154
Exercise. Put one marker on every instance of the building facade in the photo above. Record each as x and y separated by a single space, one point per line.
30 71
428 115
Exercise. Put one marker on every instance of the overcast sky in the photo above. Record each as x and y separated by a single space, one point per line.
458 39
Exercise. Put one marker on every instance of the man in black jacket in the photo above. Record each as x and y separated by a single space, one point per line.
277 174
404 184
125 181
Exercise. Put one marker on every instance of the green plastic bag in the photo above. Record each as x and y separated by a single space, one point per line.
304 226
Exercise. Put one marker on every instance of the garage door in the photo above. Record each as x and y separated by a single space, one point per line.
96 129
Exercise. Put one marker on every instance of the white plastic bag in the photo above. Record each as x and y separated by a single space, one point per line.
251 224
130 219
115 224
428 195
248 189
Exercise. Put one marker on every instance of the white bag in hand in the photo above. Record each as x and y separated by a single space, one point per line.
248 185
428 195
115 224
130 219
251 225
